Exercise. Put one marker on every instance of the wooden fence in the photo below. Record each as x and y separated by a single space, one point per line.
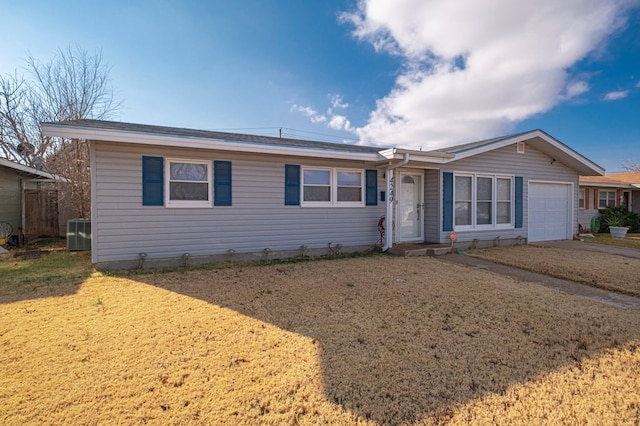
41 214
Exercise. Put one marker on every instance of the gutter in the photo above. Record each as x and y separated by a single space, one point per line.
388 242
170 140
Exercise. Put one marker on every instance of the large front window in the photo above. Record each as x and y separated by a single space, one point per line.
332 187
189 183
483 201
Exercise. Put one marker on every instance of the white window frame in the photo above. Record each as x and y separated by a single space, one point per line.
475 201
581 199
187 203
494 202
608 198
511 201
333 190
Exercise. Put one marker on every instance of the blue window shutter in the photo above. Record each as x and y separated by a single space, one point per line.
222 183
371 188
519 204
152 181
291 185
447 201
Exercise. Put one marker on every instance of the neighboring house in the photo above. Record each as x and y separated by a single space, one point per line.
610 190
28 200
164 195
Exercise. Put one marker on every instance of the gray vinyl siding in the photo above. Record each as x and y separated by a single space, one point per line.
432 206
532 166
585 215
258 219
11 204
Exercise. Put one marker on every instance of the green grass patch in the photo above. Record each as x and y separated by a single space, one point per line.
51 270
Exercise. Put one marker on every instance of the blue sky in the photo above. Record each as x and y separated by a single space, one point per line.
389 72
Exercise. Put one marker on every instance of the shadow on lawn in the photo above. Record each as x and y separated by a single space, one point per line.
399 349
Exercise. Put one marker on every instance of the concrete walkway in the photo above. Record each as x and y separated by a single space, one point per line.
569 287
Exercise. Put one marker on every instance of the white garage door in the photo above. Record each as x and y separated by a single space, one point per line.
549 211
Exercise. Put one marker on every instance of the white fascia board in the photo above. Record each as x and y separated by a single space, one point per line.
389 154
497 145
201 143
528 136
416 156
571 153
608 185
26 169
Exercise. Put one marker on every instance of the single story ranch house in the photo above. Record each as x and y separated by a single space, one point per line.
610 190
170 196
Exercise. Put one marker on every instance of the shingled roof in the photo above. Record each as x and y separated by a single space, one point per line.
622 179
209 134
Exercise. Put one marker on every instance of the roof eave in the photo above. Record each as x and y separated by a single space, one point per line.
609 185
27 170
417 156
555 149
123 136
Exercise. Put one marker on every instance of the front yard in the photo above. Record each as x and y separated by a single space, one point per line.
607 271
371 340
632 240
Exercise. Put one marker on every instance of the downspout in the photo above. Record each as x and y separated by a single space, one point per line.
388 242
23 204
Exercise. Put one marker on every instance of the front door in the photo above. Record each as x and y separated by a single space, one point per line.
410 207
625 200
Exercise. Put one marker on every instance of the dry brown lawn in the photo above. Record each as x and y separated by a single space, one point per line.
372 340
610 272
631 240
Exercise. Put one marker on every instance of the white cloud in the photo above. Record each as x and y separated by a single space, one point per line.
340 122
330 118
614 96
475 69
310 112
338 102
574 89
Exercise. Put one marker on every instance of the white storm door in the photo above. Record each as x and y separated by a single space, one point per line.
410 207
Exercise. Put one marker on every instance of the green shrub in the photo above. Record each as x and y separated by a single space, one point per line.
619 216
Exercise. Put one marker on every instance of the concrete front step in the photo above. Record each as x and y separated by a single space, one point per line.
407 250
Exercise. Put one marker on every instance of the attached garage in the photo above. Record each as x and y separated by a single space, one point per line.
550 207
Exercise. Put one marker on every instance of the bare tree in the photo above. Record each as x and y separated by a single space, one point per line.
75 84
19 129
631 165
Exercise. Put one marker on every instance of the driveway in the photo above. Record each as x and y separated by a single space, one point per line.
565 286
